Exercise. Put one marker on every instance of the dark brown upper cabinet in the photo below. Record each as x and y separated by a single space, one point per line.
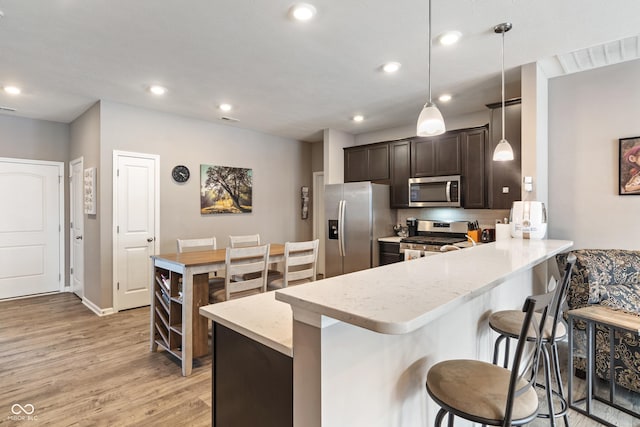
367 163
436 156
504 178
399 160
474 188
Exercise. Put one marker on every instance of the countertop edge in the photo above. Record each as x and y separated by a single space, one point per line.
403 327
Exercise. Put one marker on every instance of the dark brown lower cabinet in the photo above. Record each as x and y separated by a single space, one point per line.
252 384
390 253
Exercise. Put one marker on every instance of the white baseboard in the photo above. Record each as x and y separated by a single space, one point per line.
97 310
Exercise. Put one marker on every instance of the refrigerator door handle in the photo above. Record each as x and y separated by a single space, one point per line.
341 213
448 191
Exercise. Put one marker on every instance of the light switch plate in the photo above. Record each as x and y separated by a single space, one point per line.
505 190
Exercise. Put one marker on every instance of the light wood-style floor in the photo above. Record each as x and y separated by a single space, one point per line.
78 369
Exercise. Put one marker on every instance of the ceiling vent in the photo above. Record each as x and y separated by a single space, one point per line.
599 56
7 109
229 119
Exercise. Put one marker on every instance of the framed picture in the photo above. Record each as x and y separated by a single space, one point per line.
89 191
629 166
225 189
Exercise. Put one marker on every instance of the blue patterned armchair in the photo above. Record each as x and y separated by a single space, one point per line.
609 277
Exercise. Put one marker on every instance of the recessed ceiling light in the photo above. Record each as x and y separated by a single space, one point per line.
445 97
158 90
225 107
302 11
358 118
12 90
450 37
391 67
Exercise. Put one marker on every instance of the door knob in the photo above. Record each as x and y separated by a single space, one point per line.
150 239
78 237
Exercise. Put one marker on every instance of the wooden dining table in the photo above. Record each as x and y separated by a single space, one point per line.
179 288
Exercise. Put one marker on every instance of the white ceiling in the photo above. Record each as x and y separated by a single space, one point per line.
284 78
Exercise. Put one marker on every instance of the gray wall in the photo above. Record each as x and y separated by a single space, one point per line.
22 138
85 143
280 167
588 112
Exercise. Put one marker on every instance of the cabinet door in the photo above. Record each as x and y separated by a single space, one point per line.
399 154
378 163
355 164
447 154
505 177
473 169
422 157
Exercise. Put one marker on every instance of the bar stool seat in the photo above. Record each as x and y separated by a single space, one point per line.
508 323
479 389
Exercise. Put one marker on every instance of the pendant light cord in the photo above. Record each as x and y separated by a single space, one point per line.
429 62
503 84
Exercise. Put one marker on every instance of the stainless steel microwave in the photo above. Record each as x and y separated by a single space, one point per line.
435 191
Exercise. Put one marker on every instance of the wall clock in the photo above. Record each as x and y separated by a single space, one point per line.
180 173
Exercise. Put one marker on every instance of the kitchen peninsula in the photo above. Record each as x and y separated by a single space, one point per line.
363 342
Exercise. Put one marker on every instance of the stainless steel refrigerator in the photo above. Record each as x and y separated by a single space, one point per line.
357 214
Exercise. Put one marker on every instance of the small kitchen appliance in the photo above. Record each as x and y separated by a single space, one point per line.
412 226
435 191
432 235
528 220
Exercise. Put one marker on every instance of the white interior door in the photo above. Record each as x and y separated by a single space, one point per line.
76 235
31 217
319 218
135 216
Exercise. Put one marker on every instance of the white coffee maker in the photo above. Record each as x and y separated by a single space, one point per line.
528 220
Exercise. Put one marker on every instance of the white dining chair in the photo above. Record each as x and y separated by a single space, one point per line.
253 240
300 259
216 279
243 263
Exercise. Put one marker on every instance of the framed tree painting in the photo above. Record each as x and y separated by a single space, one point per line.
225 189
629 165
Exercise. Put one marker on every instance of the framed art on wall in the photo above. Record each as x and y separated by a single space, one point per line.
90 191
225 189
629 166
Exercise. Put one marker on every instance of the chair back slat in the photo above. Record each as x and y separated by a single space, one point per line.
207 243
241 261
244 241
300 261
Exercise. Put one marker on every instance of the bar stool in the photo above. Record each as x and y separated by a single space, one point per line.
484 393
508 324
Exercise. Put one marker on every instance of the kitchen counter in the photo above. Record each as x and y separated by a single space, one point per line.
402 297
391 239
372 335
259 317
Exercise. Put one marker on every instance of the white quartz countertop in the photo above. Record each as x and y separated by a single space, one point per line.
402 297
259 317
390 239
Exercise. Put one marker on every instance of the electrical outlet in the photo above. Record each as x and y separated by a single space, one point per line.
505 190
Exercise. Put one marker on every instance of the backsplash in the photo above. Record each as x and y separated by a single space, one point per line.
485 217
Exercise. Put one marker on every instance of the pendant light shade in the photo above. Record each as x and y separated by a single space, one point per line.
503 151
430 121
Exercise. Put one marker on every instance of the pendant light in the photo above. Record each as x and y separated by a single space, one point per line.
503 150
430 121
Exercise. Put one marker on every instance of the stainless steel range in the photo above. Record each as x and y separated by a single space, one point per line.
432 235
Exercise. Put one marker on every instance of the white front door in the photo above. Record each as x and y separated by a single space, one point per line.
76 235
136 220
31 237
